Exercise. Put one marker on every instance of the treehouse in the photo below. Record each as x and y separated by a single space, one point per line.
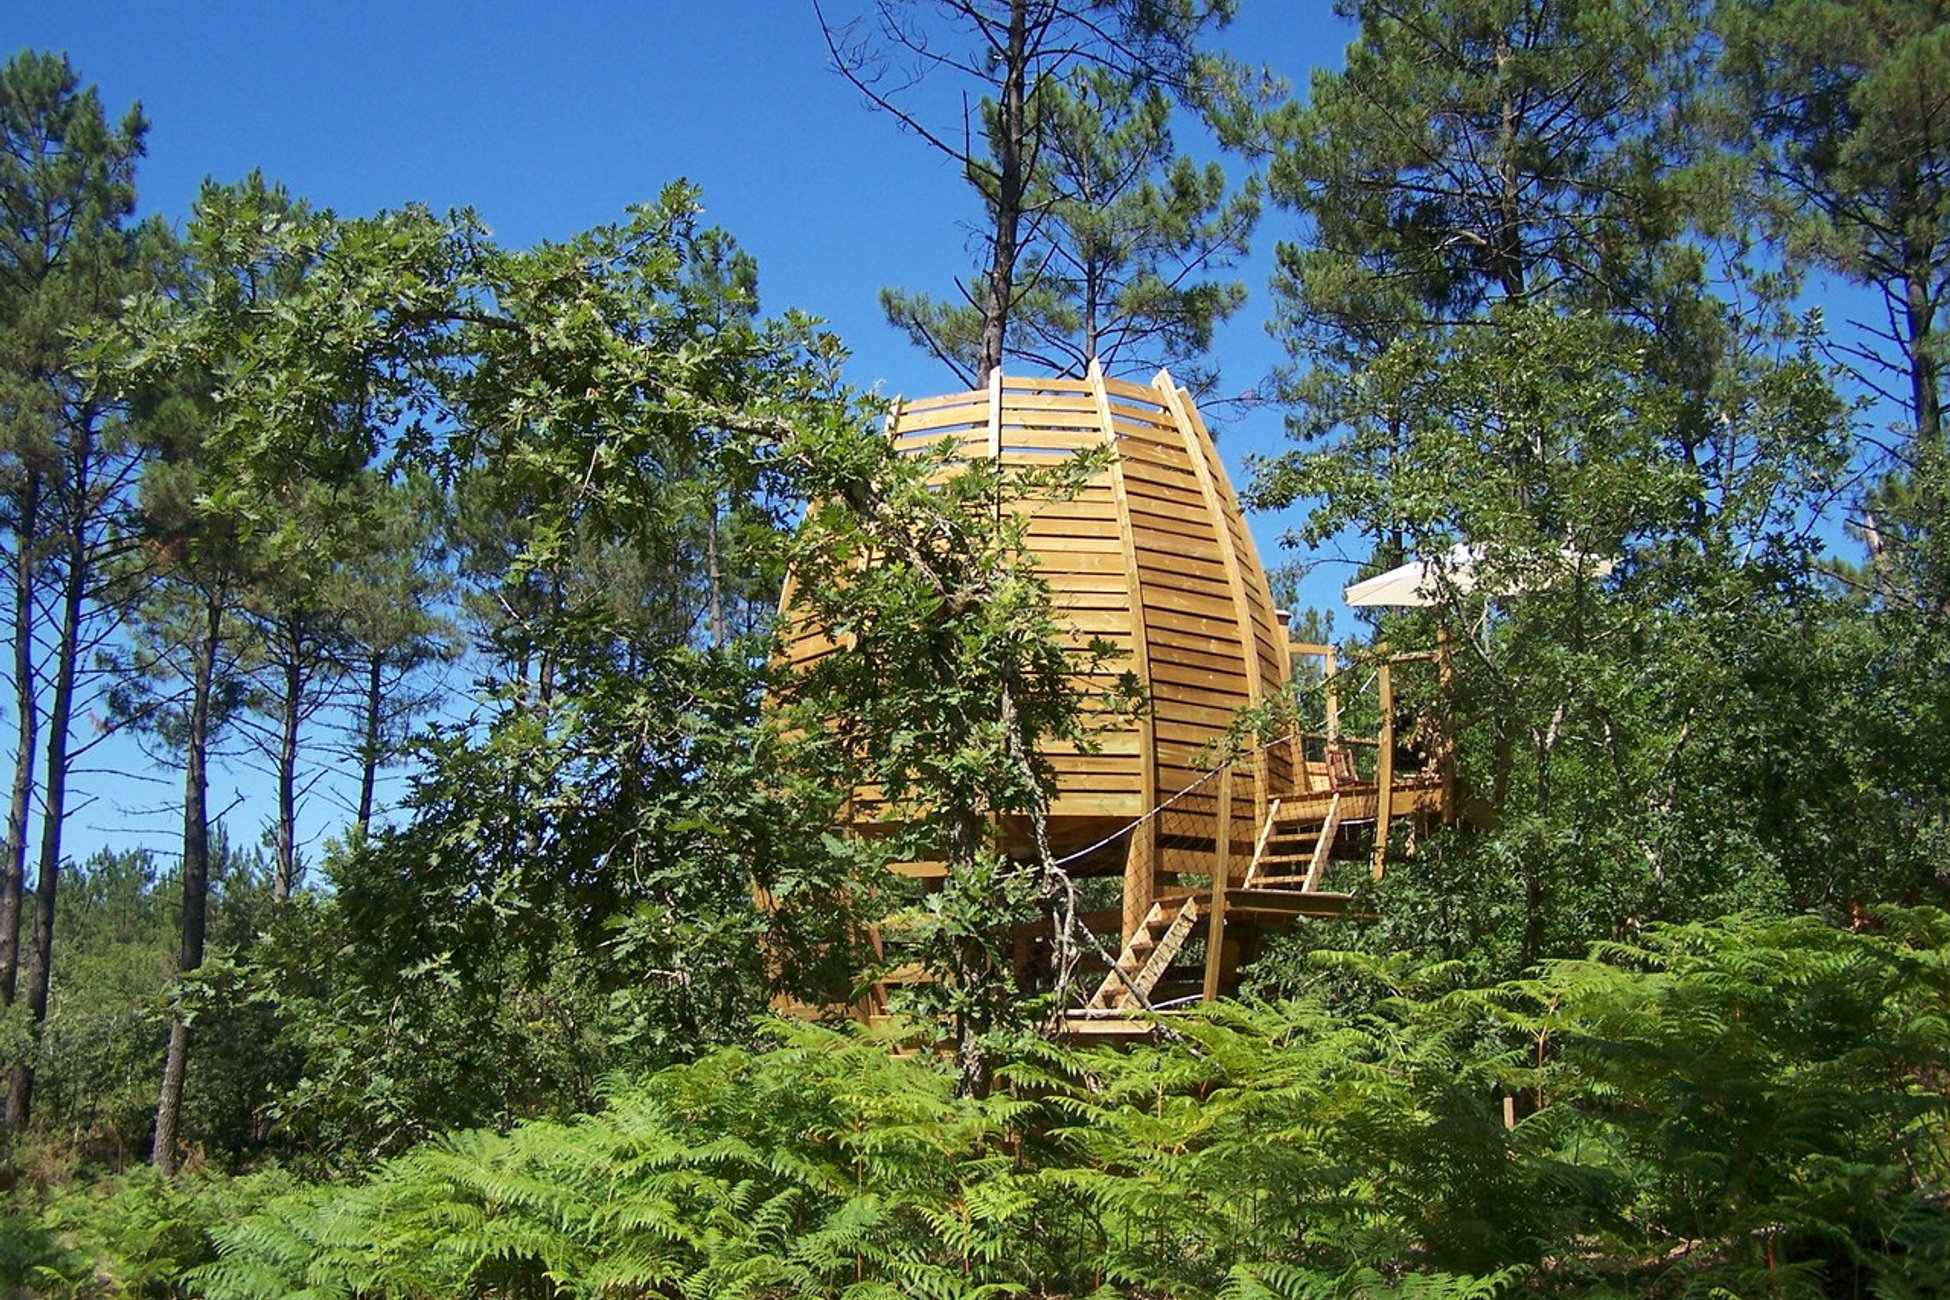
1200 853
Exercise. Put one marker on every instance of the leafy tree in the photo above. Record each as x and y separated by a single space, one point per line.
598 404
1516 346
1095 231
1603 719
186 678
958 670
1841 111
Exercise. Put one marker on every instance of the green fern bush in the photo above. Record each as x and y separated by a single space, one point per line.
1745 1108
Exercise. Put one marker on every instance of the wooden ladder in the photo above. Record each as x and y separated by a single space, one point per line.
1293 850
1147 956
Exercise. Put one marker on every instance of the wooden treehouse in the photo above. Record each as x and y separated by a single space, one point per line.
1194 857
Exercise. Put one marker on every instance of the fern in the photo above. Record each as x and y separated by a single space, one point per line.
1744 1106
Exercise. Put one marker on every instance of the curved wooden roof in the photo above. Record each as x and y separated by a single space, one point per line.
1153 556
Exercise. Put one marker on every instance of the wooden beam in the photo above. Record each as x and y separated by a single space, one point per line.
1445 672
920 870
1140 855
995 413
1333 695
1215 929
1384 767
1221 509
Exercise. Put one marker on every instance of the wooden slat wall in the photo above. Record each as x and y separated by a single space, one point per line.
1153 557
1198 676
1269 638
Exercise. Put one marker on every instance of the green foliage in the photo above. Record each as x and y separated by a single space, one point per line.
1622 735
568 890
113 990
1126 237
127 1236
1837 106
958 670
1097 235
1753 1106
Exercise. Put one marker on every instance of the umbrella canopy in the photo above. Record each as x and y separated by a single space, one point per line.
1413 585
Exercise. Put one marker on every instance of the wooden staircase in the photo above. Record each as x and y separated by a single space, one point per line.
1293 849
1147 956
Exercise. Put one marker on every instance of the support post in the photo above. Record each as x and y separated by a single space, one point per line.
1445 671
1140 876
1215 931
1384 767
1333 696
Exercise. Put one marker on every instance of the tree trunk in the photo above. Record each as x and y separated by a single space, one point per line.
1919 322
287 834
196 879
971 962
27 713
714 574
40 955
369 743
1508 244
1009 188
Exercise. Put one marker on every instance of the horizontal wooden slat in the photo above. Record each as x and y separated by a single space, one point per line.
1014 403
1049 530
1042 384
1130 390
1216 628
1095 805
1161 480
1215 605
976 395
915 422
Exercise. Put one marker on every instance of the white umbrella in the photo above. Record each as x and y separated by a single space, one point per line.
1414 584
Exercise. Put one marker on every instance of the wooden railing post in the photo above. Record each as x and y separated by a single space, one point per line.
1215 930
1333 697
1446 743
1140 875
1384 765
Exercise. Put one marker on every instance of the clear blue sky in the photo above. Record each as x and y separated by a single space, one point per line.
547 118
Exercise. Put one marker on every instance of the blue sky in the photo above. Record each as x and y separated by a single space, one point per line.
550 118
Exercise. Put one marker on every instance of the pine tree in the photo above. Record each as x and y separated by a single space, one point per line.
68 255
1088 240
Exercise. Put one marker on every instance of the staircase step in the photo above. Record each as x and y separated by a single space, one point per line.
1147 956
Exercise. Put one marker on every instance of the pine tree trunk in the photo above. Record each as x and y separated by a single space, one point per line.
1926 399
714 574
196 880
369 744
27 714
1009 191
287 835
40 954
